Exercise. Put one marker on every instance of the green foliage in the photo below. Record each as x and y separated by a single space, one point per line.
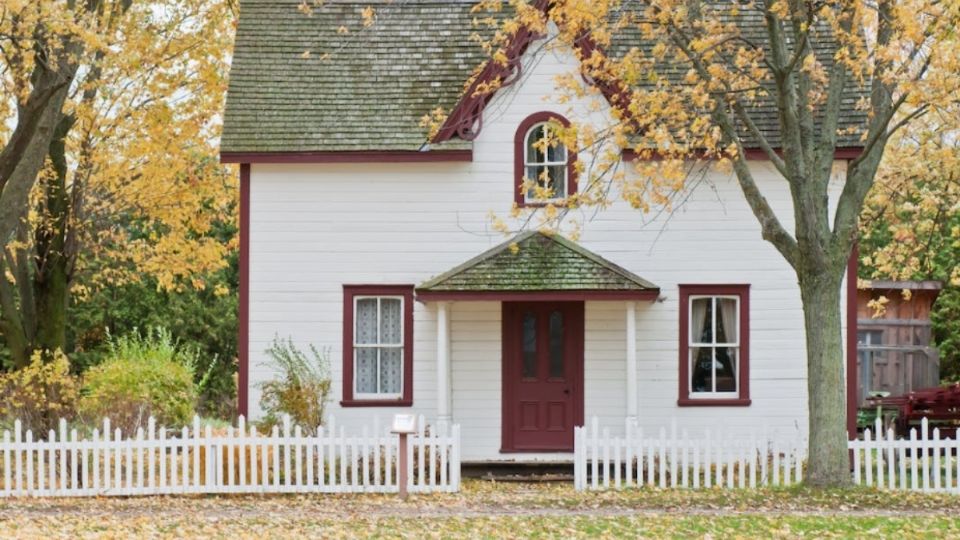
40 393
946 332
204 320
302 389
142 376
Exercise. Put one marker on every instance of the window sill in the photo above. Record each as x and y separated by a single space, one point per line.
707 402
376 403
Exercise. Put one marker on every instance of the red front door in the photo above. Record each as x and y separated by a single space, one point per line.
542 375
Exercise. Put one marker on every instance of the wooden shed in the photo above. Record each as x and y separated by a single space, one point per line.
896 352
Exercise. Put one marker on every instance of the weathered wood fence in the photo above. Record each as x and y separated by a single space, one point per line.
670 458
231 460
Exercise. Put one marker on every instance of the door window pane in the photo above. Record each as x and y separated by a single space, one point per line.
556 345
529 345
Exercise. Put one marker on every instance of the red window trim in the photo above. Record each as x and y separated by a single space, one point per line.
351 291
519 142
742 291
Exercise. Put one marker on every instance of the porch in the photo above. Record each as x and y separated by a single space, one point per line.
563 323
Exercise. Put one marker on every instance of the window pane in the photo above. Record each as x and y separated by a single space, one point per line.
365 372
558 181
529 345
556 345
391 371
366 321
533 175
557 151
726 369
701 374
534 154
390 321
728 320
701 320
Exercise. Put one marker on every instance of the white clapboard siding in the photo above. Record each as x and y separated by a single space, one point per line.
234 460
924 461
675 459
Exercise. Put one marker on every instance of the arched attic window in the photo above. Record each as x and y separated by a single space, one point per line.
544 169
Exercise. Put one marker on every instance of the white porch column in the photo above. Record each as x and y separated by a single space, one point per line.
444 416
632 405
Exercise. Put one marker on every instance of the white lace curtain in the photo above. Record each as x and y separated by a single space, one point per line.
378 345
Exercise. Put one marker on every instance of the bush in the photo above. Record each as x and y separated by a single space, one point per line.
142 376
40 393
302 391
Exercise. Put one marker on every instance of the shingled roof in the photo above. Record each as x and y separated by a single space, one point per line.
536 261
377 82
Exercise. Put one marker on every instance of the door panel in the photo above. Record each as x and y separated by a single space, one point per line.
542 375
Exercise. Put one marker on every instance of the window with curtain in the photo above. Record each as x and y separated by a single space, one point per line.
378 346
713 344
713 347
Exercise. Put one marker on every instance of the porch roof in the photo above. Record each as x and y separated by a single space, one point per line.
537 266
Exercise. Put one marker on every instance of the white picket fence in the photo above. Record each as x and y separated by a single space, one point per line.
922 462
675 459
235 460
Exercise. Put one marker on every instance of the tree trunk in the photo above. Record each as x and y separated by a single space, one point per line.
828 461
51 282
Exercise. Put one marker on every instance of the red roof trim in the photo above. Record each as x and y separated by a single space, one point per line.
359 156
537 296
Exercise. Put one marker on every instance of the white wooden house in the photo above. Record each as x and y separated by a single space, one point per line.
360 236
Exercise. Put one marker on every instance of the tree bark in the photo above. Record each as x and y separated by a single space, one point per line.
52 280
828 461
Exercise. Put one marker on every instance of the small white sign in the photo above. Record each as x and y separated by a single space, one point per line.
404 423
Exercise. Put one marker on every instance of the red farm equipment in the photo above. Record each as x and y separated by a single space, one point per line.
939 405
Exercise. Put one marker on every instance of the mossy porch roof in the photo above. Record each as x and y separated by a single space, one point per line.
538 262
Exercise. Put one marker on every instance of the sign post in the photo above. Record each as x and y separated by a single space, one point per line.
403 425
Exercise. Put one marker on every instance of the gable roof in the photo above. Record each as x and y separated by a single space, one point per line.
377 83
534 261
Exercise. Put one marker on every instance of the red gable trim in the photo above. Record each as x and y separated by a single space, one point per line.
359 156
469 110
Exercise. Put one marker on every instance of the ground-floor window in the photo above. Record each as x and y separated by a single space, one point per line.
714 345
377 344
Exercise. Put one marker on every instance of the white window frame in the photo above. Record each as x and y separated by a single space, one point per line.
378 395
547 127
691 346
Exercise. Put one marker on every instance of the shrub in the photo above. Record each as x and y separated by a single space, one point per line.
40 393
142 376
303 388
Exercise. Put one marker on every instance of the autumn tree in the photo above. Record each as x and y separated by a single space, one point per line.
110 170
910 226
796 67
